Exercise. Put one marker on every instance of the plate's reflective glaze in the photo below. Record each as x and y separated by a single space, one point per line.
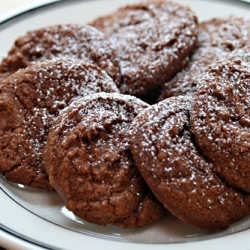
42 218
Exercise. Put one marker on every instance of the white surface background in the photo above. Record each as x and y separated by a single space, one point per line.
11 7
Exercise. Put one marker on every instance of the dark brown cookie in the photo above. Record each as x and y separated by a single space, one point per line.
218 39
68 40
30 100
220 120
153 39
167 156
90 165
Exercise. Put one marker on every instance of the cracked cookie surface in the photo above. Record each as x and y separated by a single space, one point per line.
168 158
67 40
220 120
90 165
153 39
30 100
218 39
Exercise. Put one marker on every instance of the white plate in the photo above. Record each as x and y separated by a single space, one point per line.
32 219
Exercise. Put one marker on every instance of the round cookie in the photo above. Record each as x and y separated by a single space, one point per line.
30 100
69 40
218 39
153 39
220 120
90 165
167 156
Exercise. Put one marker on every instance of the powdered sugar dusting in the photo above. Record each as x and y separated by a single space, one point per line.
101 103
228 34
88 151
151 46
179 175
31 99
218 39
221 114
70 40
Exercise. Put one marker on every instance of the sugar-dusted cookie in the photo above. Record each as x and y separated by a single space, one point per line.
30 100
170 161
218 39
228 33
220 120
65 40
153 39
89 163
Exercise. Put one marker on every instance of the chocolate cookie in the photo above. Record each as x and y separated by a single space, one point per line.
153 40
220 120
90 165
184 83
68 40
168 158
30 100
218 38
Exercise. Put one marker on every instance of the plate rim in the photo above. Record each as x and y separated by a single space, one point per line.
30 7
